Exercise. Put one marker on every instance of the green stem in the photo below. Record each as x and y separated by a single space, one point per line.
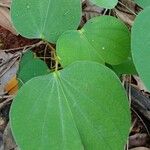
55 56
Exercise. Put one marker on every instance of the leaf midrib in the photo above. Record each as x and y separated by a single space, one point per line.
61 87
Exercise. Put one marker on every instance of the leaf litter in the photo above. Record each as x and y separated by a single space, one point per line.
126 11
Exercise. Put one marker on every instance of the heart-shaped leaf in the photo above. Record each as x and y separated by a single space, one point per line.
30 67
140 44
28 56
143 3
45 19
82 107
105 3
102 39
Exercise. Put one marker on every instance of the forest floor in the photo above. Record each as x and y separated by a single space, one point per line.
11 45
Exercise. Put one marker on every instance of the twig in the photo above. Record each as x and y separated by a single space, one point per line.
45 49
127 8
6 96
141 121
50 46
12 63
140 102
105 11
23 47
5 62
5 102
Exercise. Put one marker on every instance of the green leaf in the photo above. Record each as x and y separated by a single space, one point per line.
127 67
105 3
30 67
140 43
103 38
29 55
73 46
143 3
82 107
45 19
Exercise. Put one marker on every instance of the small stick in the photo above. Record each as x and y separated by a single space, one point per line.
13 62
23 47
141 121
127 8
5 102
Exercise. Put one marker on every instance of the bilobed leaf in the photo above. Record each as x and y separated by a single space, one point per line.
140 44
105 3
102 39
73 46
30 67
82 107
143 3
45 19
28 56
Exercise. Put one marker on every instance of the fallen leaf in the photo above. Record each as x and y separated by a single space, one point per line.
9 74
12 86
1 142
5 3
127 18
140 148
5 20
9 142
138 140
140 84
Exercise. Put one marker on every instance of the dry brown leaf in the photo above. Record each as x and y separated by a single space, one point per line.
9 142
92 11
127 18
5 3
140 84
12 86
138 140
5 20
9 75
126 11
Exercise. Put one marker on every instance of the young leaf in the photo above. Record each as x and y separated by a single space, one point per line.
45 19
141 46
83 106
105 3
30 67
102 39
143 3
29 55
